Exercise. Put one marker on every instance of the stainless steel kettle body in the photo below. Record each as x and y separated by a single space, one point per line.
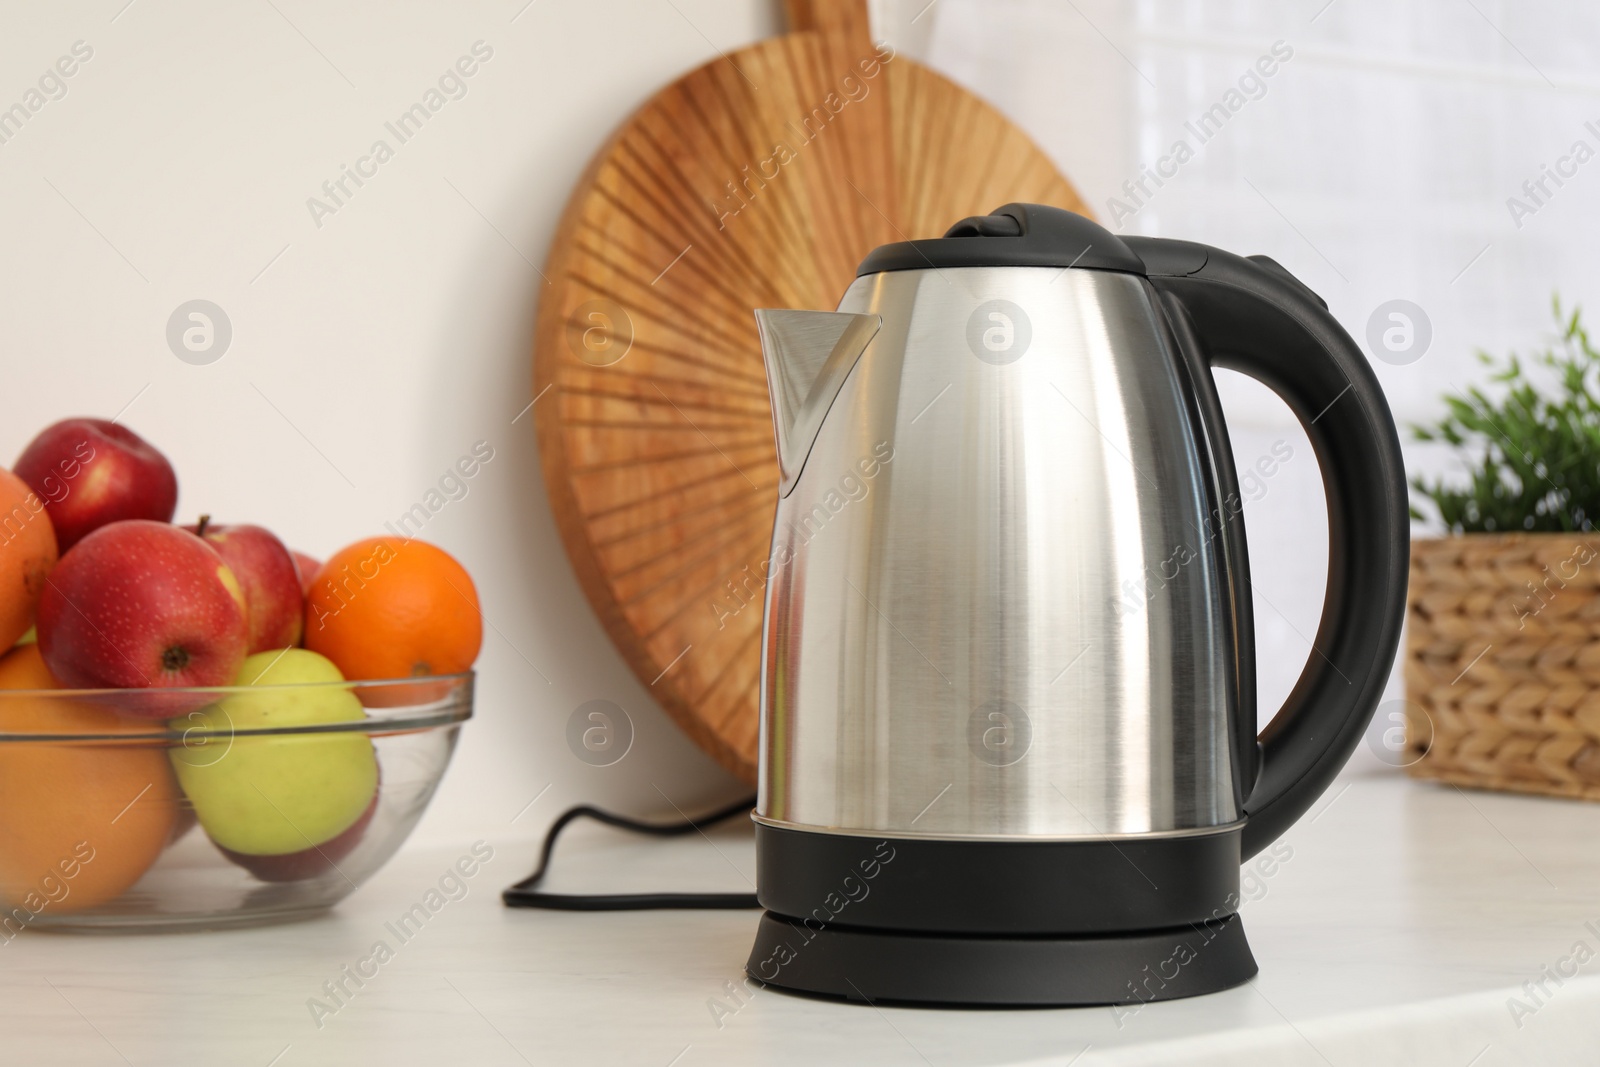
1003 613
1007 673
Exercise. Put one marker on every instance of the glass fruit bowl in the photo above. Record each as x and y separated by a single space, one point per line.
199 808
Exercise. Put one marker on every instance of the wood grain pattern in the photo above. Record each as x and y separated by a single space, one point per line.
758 180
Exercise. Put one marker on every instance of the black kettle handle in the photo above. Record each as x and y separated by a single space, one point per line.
1251 315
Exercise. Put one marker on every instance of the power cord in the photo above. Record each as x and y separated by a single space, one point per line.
525 893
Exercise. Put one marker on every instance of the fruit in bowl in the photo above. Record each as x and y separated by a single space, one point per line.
168 655
27 555
267 575
141 604
93 472
392 608
192 882
282 807
80 821
308 862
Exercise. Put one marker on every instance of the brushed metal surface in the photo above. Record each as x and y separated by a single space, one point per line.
812 354
994 608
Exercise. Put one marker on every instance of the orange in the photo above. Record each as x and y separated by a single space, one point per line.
27 552
388 607
80 822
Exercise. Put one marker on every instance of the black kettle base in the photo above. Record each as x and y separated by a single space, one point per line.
896 966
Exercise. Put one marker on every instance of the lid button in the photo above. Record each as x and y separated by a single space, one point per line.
986 226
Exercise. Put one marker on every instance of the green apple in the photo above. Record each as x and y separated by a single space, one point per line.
275 795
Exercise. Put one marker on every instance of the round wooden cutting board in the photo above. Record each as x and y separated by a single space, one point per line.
759 180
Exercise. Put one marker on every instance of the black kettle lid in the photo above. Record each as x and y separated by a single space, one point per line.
1016 235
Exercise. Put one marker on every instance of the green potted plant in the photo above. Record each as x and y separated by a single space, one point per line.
1502 665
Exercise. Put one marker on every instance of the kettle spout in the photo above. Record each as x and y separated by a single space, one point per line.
808 355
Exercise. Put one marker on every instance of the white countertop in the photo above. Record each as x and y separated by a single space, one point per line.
1406 917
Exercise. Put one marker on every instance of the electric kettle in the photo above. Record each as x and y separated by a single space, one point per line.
1008 723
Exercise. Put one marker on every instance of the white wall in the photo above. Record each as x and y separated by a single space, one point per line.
369 352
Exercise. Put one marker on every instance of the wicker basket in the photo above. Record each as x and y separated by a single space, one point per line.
1502 665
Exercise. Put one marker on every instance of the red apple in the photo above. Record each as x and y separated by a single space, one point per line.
274 599
309 862
90 472
308 568
142 604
